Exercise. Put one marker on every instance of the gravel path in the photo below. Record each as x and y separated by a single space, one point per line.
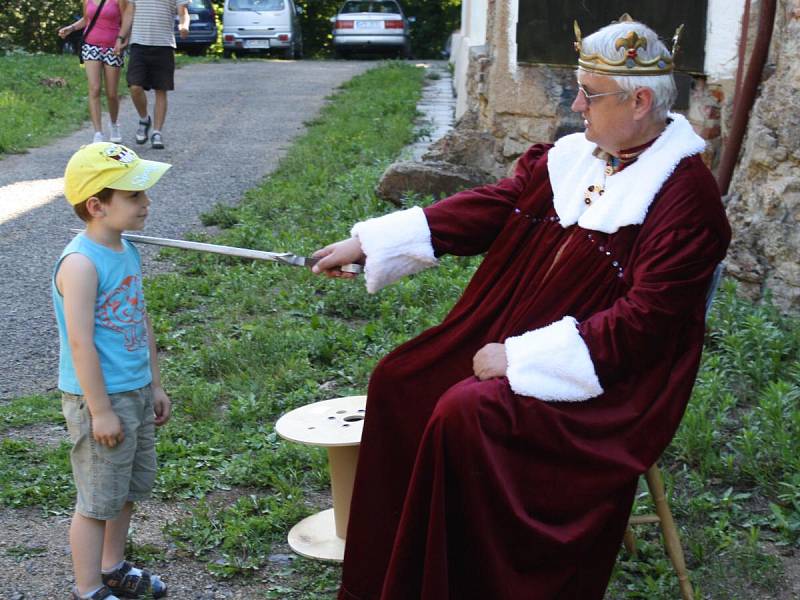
228 125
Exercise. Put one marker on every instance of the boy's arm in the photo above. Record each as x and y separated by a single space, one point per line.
77 281
162 405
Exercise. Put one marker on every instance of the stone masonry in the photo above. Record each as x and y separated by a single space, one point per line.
764 208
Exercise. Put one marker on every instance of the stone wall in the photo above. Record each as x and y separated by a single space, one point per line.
765 205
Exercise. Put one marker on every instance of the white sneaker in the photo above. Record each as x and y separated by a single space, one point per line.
116 136
98 137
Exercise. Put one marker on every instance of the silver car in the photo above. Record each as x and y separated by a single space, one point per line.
262 26
365 25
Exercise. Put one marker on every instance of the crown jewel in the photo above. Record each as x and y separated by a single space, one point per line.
629 63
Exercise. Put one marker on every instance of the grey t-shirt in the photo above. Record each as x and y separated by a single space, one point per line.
154 22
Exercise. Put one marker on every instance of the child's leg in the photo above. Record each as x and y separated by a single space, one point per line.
115 537
86 541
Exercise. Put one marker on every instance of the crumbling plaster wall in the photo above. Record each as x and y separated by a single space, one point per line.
764 208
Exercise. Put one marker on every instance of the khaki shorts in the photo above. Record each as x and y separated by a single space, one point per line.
106 478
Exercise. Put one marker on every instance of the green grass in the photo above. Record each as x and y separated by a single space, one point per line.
30 410
32 112
245 342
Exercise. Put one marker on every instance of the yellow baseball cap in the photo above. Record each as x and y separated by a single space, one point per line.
105 165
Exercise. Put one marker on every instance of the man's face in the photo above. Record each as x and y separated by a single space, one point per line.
608 119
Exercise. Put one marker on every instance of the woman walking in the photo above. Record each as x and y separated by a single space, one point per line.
102 56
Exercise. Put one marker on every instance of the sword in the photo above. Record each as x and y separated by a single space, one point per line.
286 258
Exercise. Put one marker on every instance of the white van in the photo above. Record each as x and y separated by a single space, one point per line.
262 26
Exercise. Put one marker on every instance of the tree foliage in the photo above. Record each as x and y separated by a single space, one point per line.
32 24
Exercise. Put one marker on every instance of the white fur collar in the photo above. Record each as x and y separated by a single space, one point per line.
628 194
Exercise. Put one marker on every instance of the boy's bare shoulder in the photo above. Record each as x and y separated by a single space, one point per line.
77 267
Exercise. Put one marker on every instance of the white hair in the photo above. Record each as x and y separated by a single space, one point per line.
663 86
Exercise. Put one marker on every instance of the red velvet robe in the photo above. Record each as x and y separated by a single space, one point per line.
465 490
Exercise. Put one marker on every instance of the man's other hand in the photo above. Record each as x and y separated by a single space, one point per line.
490 361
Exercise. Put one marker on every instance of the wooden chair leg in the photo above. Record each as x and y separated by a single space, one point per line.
671 539
630 541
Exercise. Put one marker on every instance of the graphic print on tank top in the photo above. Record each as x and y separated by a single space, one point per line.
123 310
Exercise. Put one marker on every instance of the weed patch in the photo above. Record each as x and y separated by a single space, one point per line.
30 410
34 109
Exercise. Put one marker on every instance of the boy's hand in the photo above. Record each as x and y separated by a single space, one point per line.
107 429
162 406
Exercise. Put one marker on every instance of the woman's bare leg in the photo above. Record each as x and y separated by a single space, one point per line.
94 75
112 90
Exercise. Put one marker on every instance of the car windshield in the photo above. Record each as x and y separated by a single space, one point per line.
375 6
256 5
200 4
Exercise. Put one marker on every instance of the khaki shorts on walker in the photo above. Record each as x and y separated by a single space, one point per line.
105 477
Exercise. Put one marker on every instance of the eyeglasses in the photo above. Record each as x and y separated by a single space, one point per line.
589 97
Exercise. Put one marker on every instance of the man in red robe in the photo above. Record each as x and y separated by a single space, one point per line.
501 449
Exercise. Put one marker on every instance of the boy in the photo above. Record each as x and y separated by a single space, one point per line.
108 371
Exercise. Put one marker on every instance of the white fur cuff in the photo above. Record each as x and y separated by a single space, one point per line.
552 363
396 245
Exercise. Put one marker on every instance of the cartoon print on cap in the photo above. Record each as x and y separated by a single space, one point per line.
121 154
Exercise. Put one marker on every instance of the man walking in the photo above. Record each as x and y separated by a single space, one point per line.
152 59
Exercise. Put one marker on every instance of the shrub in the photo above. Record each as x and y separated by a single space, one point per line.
33 24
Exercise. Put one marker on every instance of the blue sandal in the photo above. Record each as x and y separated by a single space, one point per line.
125 584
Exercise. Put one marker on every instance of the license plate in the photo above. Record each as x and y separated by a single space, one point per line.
256 43
194 17
369 25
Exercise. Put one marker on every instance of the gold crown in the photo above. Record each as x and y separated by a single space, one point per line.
630 63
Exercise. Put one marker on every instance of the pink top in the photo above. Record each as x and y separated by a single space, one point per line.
106 29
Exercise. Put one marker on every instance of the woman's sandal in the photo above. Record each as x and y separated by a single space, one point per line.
102 594
129 585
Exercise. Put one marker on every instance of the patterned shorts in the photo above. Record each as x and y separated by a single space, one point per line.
104 55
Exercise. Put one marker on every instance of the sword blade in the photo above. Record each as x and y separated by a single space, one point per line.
282 257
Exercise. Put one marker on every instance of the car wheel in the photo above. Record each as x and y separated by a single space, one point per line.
341 53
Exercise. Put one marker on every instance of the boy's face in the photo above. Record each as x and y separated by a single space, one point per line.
126 210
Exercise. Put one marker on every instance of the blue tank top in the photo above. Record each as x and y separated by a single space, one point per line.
120 331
